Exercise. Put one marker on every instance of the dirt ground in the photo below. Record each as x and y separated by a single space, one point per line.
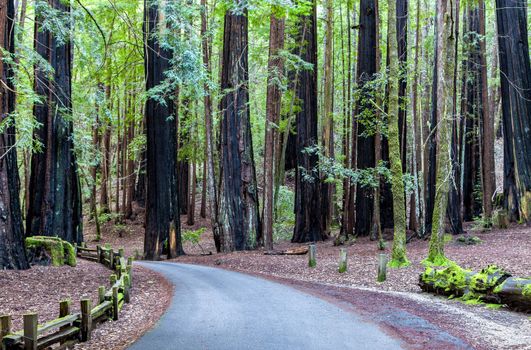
423 321
40 289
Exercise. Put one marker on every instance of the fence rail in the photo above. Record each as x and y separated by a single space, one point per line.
70 328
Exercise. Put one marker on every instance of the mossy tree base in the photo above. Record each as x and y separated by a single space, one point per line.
60 252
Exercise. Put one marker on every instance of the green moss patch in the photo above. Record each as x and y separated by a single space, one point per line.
60 252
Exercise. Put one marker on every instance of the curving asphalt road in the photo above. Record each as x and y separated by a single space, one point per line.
219 309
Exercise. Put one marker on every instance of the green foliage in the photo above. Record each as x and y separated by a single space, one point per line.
193 237
284 215
469 240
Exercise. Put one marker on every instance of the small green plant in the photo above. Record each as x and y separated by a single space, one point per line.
481 223
194 237
106 217
469 240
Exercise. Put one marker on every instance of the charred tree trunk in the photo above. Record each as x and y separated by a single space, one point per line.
473 113
161 200
307 186
239 216
55 194
367 57
516 104
12 252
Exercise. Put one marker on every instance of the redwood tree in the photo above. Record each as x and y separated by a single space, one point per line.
12 252
239 219
274 95
162 206
366 68
54 207
307 183
516 104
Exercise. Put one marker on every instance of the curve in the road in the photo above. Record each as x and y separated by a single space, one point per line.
219 309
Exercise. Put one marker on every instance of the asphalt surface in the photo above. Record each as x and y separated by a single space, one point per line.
219 309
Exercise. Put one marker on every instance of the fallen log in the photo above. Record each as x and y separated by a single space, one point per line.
292 251
492 284
515 293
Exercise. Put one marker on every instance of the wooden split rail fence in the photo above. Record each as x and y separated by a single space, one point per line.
70 328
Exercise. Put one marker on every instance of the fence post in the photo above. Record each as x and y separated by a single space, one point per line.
64 310
100 255
101 294
129 270
121 252
31 322
382 267
342 260
115 303
312 252
112 279
111 258
127 295
86 319
5 326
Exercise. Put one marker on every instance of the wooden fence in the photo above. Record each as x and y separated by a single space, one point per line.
70 328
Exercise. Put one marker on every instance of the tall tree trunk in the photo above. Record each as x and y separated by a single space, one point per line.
401 35
430 162
516 104
273 106
398 258
327 188
106 163
417 210
209 137
367 53
308 217
131 170
161 200
12 252
55 194
454 200
487 124
191 203
445 69
239 216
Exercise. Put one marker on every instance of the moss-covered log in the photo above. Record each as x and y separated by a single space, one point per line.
60 252
492 285
515 293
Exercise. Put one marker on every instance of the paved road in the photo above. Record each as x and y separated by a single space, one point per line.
219 309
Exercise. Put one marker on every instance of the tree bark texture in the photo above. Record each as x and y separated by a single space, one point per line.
516 104
308 218
54 207
366 68
12 252
162 205
240 226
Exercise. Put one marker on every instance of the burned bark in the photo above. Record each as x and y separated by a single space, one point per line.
54 207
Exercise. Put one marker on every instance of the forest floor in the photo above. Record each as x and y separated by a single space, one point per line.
397 304
41 288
